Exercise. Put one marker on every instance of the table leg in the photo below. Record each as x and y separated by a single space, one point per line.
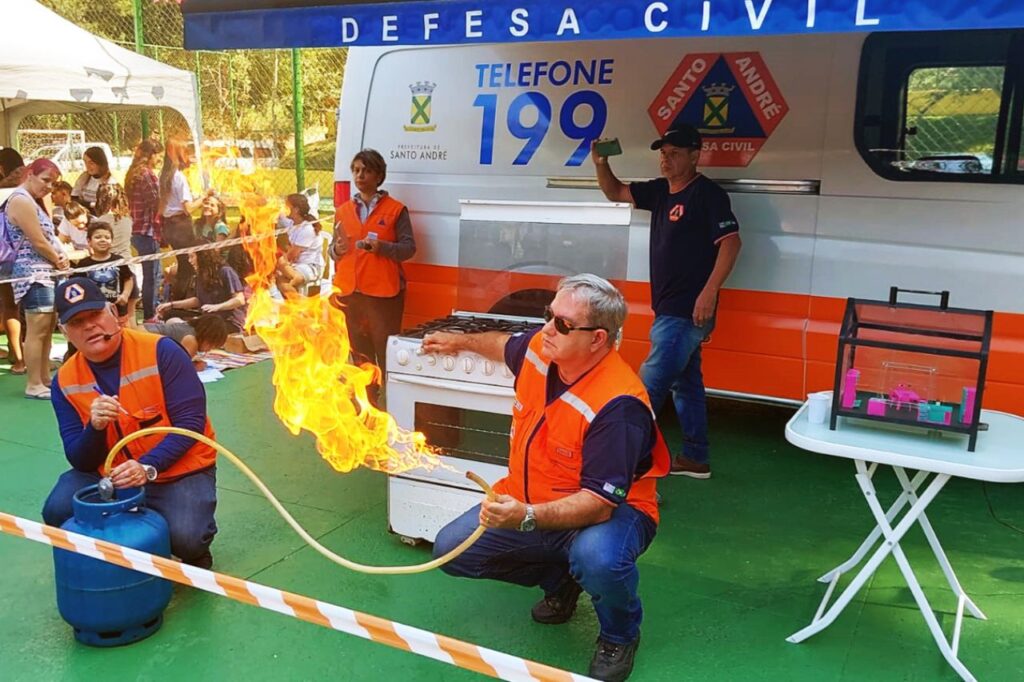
825 617
910 489
892 540
876 533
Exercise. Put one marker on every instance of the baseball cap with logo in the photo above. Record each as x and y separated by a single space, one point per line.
77 295
683 136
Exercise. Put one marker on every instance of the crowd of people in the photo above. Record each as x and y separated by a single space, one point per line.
98 223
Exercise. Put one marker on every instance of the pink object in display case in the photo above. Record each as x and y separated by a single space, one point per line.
903 396
876 407
850 388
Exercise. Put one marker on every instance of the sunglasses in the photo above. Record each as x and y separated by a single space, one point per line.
563 326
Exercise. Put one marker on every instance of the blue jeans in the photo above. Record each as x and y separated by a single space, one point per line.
674 365
145 246
601 558
187 504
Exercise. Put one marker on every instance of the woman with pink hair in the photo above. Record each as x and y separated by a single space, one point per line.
39 257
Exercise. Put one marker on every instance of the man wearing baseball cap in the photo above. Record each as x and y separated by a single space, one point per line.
118 382
693 246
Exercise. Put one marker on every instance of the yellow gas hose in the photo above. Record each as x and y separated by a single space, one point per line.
340 560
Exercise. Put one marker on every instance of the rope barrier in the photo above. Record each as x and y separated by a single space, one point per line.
423 642
159 255
340 560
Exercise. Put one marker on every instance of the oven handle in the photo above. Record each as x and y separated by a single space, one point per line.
465 387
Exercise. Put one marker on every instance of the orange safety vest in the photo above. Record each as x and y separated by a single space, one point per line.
142 394
362 271
546 451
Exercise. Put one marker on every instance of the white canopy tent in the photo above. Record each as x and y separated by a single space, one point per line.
50 65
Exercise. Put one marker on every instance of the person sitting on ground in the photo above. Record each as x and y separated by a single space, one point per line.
217 290
61 196
579 504
303 261
95 175
236 256
119 381
201 335
214 216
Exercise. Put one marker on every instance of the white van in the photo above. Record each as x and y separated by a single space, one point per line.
854 162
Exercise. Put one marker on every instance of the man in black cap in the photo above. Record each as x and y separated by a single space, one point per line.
118 382
694 244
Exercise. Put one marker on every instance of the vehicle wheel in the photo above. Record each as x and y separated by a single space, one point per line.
406 540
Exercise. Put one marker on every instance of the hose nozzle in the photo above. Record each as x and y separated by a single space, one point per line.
106 489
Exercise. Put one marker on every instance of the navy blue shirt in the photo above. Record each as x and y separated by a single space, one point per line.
686 229
618 444
86 448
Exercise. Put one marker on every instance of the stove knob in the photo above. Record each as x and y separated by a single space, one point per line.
507 372
403 357
467 365
488 368
419 367
431 360
449 363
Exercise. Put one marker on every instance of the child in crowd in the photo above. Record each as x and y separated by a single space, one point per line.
72 231
213 218
112 208
61 195
303 261
115 281
201 335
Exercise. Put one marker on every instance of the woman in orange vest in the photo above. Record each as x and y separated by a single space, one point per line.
579 505
118 382
372 237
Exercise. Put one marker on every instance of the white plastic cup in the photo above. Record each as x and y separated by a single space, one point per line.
818 405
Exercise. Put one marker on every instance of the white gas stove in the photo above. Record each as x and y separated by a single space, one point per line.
463 403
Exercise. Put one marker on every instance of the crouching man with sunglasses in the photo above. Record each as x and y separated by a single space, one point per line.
578 506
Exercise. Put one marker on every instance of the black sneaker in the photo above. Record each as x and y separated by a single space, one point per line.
613 662
557 608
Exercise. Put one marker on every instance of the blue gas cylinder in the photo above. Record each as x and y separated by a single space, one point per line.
106 604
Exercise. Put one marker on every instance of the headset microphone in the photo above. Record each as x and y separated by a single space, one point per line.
107 337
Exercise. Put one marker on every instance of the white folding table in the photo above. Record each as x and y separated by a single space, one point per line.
915 455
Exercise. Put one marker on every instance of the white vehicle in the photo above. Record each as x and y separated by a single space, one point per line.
825 143
245 155
855 160
68 157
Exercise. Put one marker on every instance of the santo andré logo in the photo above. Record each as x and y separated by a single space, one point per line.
420 112
730 97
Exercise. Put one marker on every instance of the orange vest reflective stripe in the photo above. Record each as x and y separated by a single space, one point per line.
142 394
546 451
362 271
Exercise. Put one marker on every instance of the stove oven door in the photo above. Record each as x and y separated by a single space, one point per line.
469 424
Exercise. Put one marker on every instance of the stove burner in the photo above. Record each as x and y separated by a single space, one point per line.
460 324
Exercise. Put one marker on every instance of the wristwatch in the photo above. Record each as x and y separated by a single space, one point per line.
529 521
151 472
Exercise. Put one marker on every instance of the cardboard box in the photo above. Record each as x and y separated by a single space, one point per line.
244 343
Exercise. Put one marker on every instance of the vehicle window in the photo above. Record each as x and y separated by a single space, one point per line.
951 118
935 106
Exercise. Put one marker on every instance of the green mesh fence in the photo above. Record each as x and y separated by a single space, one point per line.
246 99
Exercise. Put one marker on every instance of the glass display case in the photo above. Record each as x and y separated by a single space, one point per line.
912 364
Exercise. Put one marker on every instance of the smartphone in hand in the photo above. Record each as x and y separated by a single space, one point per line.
608 147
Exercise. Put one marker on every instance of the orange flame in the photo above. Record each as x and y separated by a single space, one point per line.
318 389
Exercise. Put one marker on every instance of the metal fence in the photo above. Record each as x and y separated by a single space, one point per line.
248 98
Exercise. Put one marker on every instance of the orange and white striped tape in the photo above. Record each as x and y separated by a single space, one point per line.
414 640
